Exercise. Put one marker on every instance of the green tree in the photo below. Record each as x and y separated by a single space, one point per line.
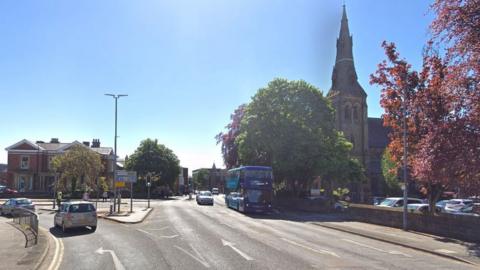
390 173
200 179
289 125
157 160
78 164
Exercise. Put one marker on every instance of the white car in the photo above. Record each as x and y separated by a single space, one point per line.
456 205
398 202
76 214
204 197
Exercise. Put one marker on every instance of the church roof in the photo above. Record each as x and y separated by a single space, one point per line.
344 76
377 133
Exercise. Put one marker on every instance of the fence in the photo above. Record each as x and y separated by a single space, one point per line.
28 222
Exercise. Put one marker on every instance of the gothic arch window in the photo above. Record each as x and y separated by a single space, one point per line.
355 113
348 112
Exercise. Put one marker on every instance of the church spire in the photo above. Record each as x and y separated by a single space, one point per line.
344 76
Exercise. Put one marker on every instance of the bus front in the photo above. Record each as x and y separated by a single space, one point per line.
257 189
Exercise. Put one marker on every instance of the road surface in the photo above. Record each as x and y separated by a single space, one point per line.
179 234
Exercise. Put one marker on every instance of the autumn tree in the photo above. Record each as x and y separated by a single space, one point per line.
78 166
227 139
441 101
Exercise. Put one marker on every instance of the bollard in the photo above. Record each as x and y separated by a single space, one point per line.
111 209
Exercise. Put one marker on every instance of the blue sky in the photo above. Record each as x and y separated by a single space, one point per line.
186 65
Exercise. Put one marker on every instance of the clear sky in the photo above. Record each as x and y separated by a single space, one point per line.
186 65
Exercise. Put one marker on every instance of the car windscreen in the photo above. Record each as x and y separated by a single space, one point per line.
205 193
24 201
388 202
81 208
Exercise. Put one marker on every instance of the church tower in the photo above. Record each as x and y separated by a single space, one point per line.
348 97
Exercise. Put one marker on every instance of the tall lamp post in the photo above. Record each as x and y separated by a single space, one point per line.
116 97
149 184
405 181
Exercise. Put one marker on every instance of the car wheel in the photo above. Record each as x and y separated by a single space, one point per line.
64 229
94 228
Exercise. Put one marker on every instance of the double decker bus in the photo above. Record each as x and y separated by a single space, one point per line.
249 189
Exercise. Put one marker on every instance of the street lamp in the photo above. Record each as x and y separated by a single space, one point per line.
116 97
405 181
149 184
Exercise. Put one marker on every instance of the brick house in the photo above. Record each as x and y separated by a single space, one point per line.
30 164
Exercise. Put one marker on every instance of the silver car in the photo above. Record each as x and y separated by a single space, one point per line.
15 206
205 197
76 214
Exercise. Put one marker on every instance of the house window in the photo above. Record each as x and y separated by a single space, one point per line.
24 162
50 162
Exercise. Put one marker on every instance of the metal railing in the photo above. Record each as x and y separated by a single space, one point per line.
28 222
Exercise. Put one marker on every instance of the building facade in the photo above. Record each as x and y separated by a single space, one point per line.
30 167
368 136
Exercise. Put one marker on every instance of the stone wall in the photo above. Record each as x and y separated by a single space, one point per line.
465 228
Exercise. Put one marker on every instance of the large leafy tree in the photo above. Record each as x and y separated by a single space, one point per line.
390 174
289 125
442 103
157 160
78 165
227 139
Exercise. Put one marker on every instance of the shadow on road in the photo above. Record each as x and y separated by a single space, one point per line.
57 232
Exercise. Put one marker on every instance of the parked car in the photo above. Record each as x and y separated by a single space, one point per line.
468 210
6 190
398 202
440 206
418 207
378 200
340 206
455 205
76 214
215 191
14 206
232 200
204 197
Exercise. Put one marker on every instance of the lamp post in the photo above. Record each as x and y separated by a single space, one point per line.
405 181
116 97
148 189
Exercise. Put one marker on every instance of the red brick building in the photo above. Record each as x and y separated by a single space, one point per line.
30 164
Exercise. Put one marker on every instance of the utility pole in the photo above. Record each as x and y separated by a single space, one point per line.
405 181
116 97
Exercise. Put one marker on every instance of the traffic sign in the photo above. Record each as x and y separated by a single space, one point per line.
126 176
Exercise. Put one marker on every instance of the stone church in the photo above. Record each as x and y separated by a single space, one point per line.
368 135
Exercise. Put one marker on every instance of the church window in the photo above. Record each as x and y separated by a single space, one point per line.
348 113
355 113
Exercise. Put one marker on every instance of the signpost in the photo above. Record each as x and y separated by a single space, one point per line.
123 177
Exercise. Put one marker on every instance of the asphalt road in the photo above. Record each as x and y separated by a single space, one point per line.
179 234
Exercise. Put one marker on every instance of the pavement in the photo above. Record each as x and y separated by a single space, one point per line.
14 254
138 215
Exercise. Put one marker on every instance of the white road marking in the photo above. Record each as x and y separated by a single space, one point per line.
116 261
245 256
159 229
446 251
393 252
200 259
320 251
162 236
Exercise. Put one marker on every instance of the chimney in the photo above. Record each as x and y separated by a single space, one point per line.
95 143
39 142
87 144
54 140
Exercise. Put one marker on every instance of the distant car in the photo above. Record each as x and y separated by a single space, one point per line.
340 206
204 197
76 214
455 205
398 202
215 191
14 206
378 200
440 206
418 207
6 190
232 200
